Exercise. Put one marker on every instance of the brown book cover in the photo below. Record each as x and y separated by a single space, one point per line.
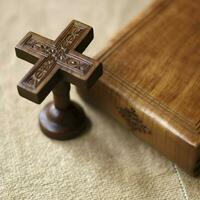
151 80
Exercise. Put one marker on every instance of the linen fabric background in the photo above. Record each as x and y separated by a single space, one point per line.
107 162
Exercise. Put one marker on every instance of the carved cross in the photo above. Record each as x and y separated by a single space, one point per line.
57 60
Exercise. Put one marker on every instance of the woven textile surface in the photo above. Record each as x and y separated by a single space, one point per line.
107 162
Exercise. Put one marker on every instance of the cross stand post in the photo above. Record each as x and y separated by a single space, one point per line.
57 64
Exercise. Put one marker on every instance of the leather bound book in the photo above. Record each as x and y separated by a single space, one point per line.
151 80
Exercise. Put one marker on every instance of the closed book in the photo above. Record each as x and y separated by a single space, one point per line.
151 80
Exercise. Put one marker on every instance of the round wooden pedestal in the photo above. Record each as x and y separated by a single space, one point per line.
62 124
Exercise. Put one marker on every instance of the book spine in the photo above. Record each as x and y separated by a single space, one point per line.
132 113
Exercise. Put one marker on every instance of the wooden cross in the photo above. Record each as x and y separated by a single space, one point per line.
57 64
56 60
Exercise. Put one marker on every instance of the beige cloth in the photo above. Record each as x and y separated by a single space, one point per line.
107 162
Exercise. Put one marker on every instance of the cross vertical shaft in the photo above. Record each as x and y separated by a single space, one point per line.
61 95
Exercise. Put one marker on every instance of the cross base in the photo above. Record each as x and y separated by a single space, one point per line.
63 124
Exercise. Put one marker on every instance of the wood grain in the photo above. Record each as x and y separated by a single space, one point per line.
152 69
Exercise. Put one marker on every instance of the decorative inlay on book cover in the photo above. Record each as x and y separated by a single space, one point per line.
62 56
133 120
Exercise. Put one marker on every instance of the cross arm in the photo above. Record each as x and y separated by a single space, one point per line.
80 70
33 47
76 36
39 81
